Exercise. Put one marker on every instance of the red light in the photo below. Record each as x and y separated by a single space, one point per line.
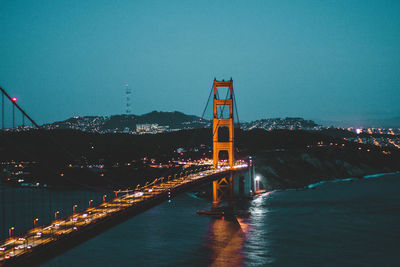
223 218
14 99
62 174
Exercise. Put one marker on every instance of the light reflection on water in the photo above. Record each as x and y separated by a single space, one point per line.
225 240
339 223
256 247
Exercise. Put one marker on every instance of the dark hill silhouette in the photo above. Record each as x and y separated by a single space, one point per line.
286 158
119 123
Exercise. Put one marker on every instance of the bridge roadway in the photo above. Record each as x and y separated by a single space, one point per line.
42 243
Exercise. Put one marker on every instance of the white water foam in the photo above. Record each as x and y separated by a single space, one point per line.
350 179
380 174
330 181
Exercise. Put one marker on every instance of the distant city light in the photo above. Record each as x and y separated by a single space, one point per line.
358 131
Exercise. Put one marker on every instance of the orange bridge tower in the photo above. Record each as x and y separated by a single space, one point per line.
223 187
220 121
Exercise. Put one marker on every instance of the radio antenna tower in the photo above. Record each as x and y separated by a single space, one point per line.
128 98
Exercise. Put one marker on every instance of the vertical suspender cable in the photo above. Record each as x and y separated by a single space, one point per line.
237 114
208 101
3 211
2 112
3 202
13 117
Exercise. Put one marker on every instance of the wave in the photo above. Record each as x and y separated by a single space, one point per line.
380 174
331 181
310 186
193 195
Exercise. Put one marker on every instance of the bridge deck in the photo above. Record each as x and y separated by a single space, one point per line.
23 248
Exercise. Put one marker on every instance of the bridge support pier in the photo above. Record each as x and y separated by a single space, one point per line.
223 189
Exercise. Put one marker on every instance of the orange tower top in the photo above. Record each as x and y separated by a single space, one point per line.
220 121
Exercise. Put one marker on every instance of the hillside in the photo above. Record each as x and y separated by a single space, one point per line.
287 159
128 123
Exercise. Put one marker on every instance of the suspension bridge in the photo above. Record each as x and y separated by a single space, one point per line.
44 241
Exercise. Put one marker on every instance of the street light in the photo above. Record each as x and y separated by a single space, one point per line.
55 215
35 222
104 198
11 231
74 208
257 180
90 202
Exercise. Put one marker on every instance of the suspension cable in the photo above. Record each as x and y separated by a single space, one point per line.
237 114
208 101
16 105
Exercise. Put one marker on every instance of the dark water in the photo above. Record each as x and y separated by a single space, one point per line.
348 223
342 223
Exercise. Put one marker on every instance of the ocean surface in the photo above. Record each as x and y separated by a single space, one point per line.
350 222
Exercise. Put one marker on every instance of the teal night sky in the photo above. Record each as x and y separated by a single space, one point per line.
323 60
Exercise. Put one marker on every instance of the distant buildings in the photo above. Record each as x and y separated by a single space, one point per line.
151 123
160 122
380 137
151 128
127 125
281 124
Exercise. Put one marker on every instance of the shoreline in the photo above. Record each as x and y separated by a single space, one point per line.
349 179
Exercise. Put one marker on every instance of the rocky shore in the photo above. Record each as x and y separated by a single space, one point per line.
299 168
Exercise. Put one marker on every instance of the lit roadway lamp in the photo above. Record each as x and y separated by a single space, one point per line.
90 203
11 231
257 183
55 215
74 218
104 198
35 222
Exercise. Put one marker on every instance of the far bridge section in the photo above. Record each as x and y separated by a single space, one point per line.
42 243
